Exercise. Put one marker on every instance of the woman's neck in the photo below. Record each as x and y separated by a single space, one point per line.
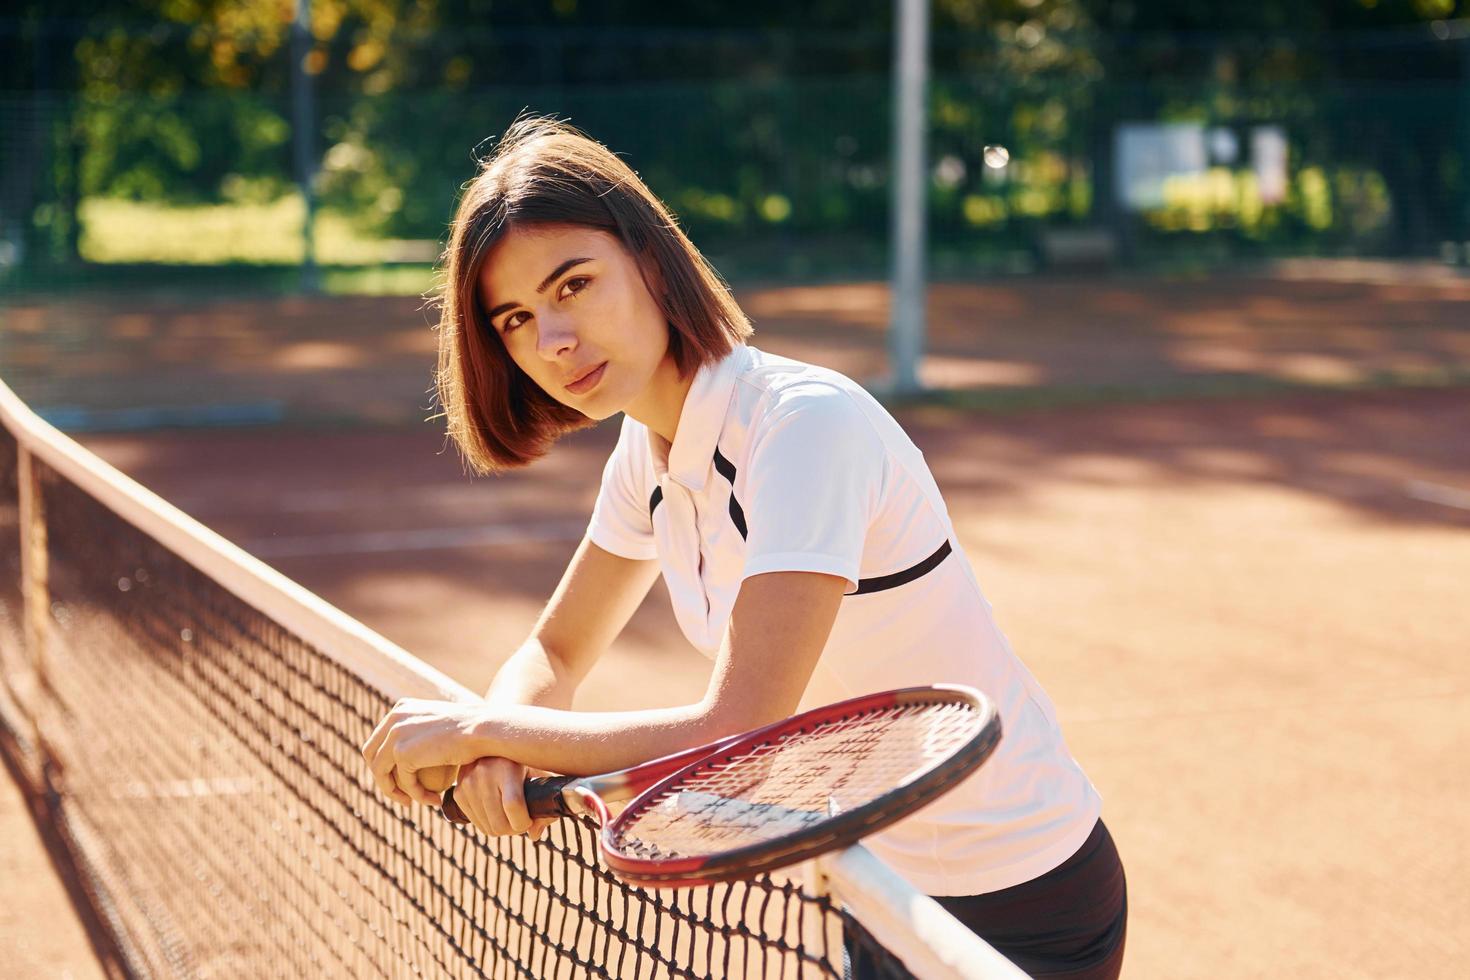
662 401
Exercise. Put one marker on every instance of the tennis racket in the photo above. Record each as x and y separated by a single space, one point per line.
780 794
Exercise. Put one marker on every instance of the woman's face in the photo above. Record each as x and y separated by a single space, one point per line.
567 300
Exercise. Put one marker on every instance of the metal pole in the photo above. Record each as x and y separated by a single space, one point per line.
1464 229
303 137
907 233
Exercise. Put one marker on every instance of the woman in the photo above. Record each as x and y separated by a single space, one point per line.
803 541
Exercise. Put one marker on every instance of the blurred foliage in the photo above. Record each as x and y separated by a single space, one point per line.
762 122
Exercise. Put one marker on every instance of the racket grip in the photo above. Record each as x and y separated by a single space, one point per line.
440 779
543 796
451 809
543 799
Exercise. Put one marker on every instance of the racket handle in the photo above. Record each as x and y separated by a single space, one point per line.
543 799
440 779
543 796
451 809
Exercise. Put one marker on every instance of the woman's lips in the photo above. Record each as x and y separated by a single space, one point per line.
589 382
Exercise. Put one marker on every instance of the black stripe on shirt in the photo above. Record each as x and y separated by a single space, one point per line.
881 583
737 513
737 516
884 582
724 467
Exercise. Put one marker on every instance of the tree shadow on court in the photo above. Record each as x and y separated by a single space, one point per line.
1401 456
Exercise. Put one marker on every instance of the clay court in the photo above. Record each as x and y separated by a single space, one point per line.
1225 521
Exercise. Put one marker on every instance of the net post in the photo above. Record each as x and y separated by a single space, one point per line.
815 880
28 754
35 596
914 927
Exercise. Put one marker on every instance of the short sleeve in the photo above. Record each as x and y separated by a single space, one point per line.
621 522
814 481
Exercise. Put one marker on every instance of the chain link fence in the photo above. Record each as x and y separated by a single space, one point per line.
775 172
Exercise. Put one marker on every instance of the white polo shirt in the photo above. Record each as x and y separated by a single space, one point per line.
778 466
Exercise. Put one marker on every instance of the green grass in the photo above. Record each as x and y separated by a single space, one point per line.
258 247
255 248
235 249
134 232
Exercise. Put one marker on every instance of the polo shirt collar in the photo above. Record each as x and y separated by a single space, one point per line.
701 420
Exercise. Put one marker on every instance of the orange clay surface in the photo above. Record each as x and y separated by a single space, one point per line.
1250 612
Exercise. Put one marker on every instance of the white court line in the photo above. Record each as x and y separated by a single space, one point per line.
1438 493
218 497
428 539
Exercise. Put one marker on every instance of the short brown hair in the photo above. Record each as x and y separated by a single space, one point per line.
544 171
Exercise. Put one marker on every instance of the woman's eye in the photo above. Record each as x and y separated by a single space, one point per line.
570 288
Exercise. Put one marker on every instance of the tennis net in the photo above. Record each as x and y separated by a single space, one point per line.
186 724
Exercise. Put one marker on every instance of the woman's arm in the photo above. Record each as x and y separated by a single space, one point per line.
598 594
778 629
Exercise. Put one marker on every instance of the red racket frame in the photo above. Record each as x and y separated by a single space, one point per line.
546 795
832 833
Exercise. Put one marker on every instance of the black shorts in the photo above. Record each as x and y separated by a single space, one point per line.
1070 922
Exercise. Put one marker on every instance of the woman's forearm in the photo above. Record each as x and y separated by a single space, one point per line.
581 743
533 675
528 718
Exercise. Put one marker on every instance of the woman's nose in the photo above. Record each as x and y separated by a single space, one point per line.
557 335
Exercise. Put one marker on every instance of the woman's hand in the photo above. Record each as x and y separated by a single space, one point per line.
419 734
491 793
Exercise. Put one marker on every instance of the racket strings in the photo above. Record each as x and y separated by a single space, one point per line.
796 780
